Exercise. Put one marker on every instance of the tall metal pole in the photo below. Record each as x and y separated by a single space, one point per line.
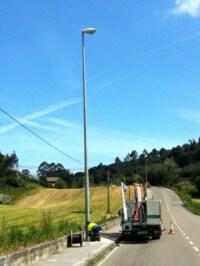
146 172
108 192
87 193
129 192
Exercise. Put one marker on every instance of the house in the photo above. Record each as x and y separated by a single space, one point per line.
52 181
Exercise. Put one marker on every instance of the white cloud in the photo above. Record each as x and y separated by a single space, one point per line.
66 124
108 144
104 144
39 125
189 7
50 109
190 115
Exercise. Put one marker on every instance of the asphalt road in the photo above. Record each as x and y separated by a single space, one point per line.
179 249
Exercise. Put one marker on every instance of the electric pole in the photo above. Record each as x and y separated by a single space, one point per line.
108 191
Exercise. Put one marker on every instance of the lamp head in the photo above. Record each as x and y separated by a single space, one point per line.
89 31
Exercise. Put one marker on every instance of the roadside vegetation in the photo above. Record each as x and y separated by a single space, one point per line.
13 237
189 194
178 168
50 213
31 213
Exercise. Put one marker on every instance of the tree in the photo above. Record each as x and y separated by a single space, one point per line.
143 156
127 158
134 155
26 174
117 160
60 184
8 168
197 184
54 170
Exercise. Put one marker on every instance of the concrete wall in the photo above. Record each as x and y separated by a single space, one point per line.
30 255
2 261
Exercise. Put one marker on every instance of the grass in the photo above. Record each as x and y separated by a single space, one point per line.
44 214
196 200
13 238
17 193
192 204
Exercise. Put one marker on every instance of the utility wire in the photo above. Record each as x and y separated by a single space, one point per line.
39 137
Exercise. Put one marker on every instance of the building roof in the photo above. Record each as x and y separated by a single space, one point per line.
52 179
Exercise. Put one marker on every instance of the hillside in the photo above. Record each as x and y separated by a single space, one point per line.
66 203
163 166
19 192
45 214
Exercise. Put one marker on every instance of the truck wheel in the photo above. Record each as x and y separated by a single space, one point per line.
154 237
124 237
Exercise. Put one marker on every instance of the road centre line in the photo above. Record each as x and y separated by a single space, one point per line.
175 222
172 217
196 249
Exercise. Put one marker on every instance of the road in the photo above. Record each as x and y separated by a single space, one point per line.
179 249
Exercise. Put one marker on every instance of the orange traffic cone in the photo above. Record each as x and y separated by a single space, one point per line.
171 230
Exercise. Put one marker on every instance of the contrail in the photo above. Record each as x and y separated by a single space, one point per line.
40 113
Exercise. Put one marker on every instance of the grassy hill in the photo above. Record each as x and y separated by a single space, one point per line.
37 207
65 203
18 192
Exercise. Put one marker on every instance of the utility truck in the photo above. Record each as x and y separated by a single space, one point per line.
140 216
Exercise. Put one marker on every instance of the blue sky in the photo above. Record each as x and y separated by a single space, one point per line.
142 77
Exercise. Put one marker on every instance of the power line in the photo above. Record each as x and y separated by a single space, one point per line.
39 137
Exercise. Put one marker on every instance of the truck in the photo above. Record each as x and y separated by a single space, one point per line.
141 216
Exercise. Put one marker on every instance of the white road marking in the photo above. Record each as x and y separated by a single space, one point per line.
108 256
175 222
172 217
52 260
196 249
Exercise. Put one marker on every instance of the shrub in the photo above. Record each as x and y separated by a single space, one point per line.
15 181
31 235
46 226
15 235
197 183
187 186
60 184
5 199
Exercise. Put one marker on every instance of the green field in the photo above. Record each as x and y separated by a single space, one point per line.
196 200
65 203
60 205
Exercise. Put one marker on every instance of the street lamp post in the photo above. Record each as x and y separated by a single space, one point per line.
108 191
146 175
87 195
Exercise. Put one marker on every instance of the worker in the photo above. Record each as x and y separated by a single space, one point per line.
94 231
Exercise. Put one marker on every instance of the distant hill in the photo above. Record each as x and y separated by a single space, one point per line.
163 166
